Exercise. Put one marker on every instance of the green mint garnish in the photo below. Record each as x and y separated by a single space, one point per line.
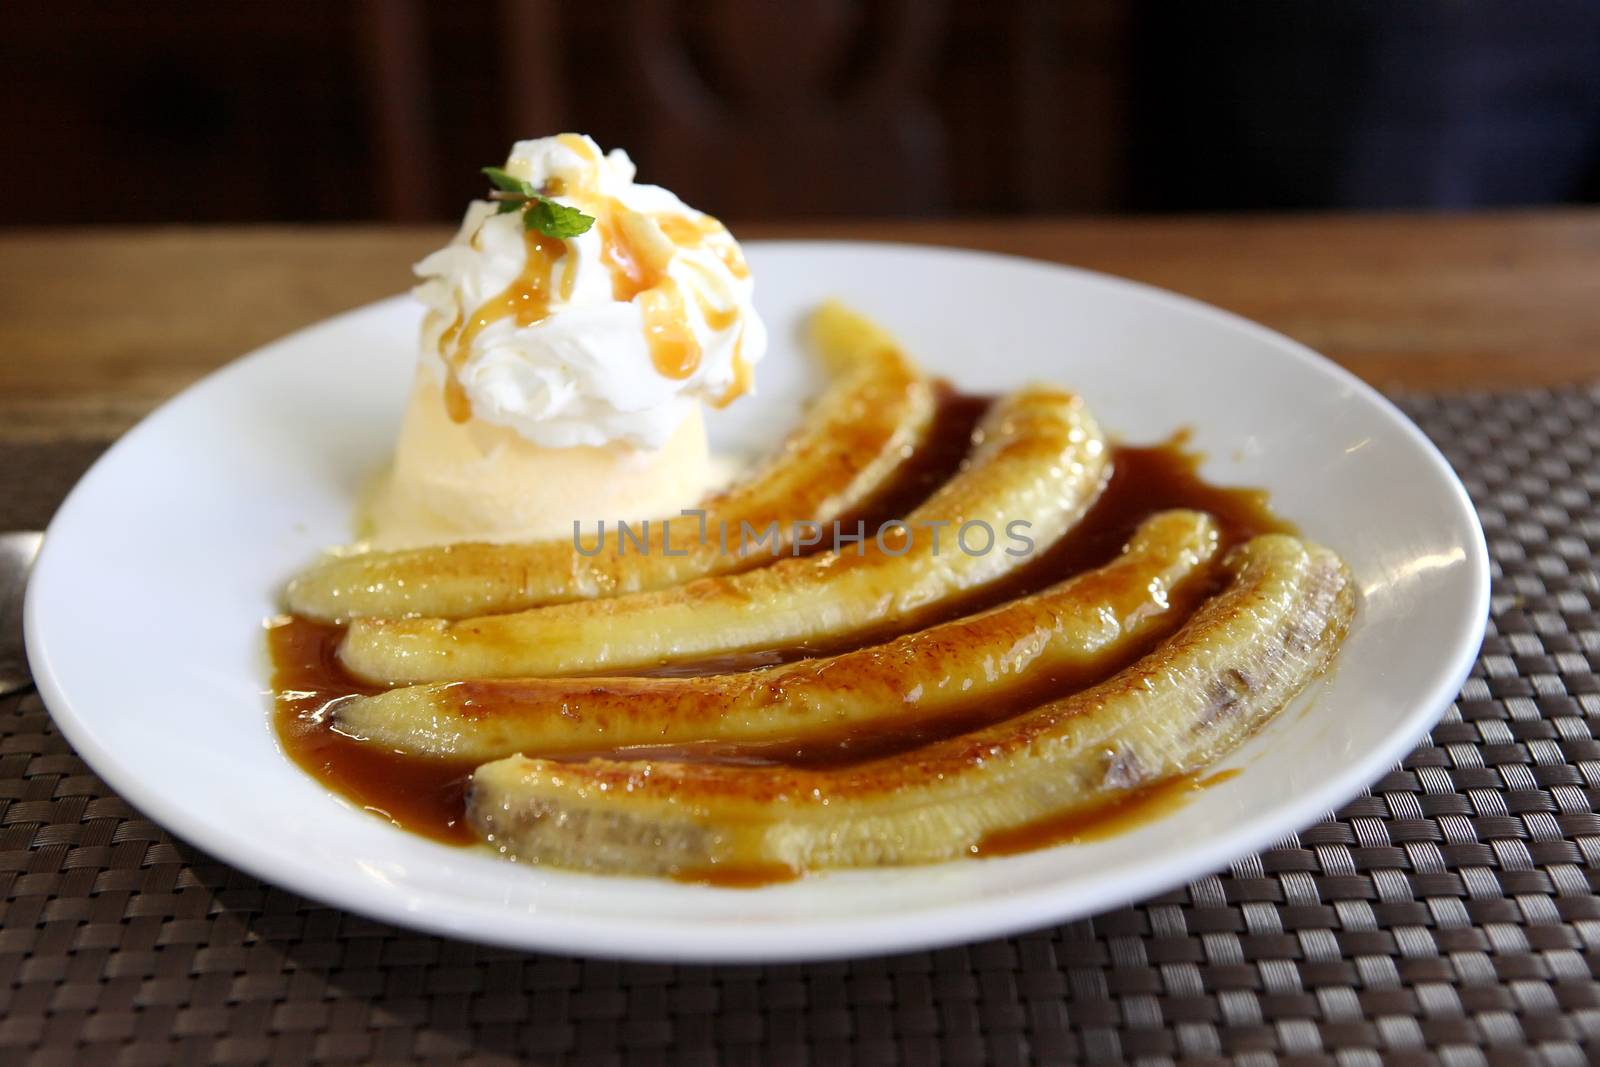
539 213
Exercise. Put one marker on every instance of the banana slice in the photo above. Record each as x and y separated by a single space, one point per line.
1243 655
1038 458
994 659
859 432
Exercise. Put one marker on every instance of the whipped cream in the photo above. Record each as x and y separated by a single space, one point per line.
614 335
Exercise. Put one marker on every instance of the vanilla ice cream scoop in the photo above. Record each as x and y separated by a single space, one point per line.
563 378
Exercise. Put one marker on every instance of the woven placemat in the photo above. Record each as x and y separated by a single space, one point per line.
1449 915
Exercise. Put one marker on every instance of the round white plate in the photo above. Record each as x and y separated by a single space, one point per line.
144 614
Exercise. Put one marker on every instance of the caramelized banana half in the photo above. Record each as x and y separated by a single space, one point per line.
1242 656
997 657
1037 456
855 437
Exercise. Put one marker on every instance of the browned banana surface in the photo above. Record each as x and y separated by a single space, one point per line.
993 659
1241 658
851 443
1037 458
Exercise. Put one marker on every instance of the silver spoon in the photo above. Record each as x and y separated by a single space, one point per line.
17 552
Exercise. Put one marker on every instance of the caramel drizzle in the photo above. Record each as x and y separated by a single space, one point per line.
526 300
638 273
742 376
692 233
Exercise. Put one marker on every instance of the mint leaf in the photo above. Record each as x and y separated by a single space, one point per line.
539 214
555 220
503 181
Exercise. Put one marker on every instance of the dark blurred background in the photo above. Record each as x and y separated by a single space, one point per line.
349 110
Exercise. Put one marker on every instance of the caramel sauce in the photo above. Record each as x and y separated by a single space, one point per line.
674 349
738 875
637 266
718 319
579 146
937 458
733 259
526 300
689 233
639 273
427 796
632 270
692 233
1144 480
1124 812
742 376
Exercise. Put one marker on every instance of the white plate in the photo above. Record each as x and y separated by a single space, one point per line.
144 614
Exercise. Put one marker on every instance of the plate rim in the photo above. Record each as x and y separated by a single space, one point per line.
600 935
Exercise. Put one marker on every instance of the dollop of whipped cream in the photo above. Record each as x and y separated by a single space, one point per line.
612 335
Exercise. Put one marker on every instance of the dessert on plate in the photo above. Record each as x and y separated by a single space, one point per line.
929 626
570 345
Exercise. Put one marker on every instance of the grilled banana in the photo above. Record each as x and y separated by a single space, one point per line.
1242 656
998 656
857 435
1037 457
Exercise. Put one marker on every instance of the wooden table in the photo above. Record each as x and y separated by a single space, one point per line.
97 326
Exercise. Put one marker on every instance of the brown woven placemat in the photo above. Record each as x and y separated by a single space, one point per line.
1449 915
